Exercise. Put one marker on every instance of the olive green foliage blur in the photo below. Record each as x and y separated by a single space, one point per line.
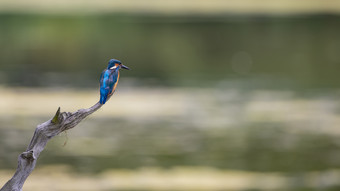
253 148
45 50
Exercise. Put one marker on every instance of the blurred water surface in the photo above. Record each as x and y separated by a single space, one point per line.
227 132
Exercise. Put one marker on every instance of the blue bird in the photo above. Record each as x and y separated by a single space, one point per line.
109 79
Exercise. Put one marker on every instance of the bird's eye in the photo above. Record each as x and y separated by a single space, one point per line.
113 67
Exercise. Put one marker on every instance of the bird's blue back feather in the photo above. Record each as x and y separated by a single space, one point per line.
107 81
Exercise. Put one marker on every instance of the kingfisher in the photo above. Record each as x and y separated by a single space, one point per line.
109 79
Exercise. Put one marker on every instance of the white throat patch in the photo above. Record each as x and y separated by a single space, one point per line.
113 67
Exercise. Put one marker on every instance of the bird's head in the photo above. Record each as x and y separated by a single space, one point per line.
116 64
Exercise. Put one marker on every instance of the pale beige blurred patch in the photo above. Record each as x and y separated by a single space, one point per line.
173 6
124 103
199 107
60 178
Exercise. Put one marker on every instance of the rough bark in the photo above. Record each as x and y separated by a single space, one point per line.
43 133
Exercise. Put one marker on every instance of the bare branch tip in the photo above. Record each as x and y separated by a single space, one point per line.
55 119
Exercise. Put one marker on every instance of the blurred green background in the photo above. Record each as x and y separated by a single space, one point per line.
222 95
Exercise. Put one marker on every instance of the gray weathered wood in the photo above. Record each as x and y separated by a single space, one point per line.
43 133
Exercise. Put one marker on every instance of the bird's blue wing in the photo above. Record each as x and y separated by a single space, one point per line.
104 89
107 81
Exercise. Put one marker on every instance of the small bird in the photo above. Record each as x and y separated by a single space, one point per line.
109 79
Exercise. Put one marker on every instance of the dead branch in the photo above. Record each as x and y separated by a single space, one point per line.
43 133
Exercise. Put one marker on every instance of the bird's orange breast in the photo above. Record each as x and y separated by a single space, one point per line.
114 87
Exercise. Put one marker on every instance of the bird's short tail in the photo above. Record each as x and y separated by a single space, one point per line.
103 99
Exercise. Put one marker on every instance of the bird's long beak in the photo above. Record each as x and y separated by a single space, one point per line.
125 67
